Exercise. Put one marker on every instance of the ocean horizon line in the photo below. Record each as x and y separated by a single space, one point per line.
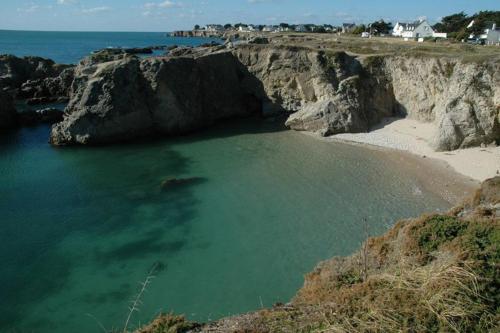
94 31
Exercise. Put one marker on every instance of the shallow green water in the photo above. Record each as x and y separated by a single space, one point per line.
81 226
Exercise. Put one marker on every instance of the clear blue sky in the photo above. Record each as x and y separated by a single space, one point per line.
168 15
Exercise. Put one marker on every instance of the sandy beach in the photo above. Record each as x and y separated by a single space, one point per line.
413 136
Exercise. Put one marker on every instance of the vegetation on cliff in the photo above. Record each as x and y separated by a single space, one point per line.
458 25
436 273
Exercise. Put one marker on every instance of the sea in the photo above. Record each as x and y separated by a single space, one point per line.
82 227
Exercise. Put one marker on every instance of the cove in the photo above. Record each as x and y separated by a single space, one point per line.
82 226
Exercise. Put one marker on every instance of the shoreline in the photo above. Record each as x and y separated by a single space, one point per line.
403 134
453 175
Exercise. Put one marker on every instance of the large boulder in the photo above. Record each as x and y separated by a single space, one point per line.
129 98
8 115
340 114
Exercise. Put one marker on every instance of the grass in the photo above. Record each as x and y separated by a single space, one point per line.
169 323
391 46
438 273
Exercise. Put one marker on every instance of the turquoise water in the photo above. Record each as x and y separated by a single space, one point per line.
70 47
81 226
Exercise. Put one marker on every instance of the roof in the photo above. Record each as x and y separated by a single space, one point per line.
411 26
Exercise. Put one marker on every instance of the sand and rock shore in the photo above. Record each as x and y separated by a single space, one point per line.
477 163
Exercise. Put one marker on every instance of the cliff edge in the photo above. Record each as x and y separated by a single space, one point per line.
322 91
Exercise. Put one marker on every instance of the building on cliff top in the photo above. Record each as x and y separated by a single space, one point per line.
491 36
417 29
214 28
348 27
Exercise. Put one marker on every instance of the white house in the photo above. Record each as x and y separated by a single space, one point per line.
301 28
214 27
283 29
246 28
348 27
491 36
270 28
418 29
398 29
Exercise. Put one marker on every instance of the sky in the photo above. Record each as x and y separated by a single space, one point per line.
169 15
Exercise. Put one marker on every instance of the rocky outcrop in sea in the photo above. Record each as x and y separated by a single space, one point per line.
128 98
15 71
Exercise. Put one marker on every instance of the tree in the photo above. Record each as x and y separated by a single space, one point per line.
457 25
197 27
453 23
284 25
381 27
228 26
359 29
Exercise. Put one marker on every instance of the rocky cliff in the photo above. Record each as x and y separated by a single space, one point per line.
329 92
462 99
127 98
36 79
324 91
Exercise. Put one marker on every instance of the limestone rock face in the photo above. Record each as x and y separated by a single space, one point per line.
110 102
116 97
8 116
129 98
462 99
329 93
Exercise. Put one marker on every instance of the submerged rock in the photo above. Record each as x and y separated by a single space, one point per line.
173 183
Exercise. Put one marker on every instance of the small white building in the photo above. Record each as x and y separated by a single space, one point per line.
365 34
214 28
398 29
246 28
348 27
418 29
283 29
491 36
301 28
270 28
